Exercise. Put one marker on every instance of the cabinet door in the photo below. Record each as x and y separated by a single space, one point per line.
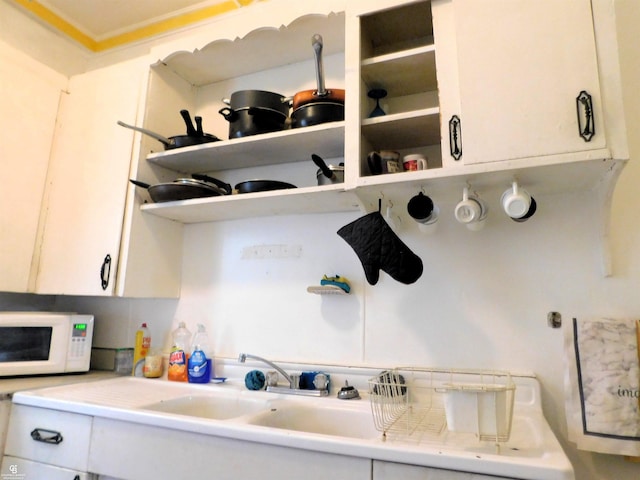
521 66
30 94
88 175
139 452
49 436
393 471
13 467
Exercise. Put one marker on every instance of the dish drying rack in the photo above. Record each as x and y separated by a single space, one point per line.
409 402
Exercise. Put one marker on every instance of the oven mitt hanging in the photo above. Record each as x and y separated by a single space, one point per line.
379 248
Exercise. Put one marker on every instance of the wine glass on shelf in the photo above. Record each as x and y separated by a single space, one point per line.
377 94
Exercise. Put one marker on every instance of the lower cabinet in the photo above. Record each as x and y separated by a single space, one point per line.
54 445
394 471
19 468
43 443
138 452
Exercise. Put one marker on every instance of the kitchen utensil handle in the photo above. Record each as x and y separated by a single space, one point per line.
158 137
199 129
316 42
322 165
46 436
191 130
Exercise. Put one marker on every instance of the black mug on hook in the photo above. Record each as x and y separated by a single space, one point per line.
422 209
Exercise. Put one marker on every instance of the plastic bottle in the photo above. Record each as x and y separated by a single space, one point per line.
178 357
201 359
142 345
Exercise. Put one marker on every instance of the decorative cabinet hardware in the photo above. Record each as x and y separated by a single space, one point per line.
105 271
455 137
46 436
584 107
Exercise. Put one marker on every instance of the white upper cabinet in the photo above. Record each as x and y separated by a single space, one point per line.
84 209
30 95
522 66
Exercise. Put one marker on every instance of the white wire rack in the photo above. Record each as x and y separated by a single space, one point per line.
409 402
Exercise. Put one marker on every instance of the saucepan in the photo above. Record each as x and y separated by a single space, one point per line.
328 174
251 112
194 136
200 186
312 107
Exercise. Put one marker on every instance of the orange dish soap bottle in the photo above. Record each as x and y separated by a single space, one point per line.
178 358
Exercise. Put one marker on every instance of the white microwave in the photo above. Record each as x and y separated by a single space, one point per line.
37 343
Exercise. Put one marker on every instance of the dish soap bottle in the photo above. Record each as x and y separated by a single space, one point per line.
201 359
178 357
142 344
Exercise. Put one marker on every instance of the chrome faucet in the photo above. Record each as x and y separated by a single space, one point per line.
294 387
244 356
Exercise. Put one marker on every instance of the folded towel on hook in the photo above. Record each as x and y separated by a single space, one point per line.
602 385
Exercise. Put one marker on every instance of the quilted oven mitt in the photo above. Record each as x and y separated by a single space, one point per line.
379 248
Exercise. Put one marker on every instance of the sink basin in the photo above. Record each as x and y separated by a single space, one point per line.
326 421
217 407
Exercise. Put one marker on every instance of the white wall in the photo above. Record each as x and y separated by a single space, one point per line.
481 302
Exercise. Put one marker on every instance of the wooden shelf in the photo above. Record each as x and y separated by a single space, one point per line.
402 73
325 199
559 174
326 140
403 130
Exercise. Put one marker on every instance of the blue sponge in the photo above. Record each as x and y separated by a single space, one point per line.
254 380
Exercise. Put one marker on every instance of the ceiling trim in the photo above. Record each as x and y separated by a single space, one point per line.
141 33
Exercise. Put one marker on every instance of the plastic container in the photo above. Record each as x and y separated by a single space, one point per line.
178 358
153 364
201 360
140 349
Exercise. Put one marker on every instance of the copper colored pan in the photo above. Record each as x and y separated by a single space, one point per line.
311 107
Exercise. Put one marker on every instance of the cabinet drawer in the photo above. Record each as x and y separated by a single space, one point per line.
13 467
64 437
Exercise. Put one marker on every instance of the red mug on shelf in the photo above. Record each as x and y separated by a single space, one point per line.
414 162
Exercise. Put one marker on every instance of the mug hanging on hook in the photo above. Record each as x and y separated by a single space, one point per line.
518 203
422 209
471 211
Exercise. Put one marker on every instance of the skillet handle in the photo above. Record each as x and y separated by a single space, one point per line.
138 183
191 130
219 183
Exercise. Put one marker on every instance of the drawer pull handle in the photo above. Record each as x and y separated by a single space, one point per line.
46 436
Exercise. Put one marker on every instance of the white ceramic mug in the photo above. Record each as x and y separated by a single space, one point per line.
517 203
471 211
414 162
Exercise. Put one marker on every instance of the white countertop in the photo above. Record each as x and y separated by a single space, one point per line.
532 451
10 385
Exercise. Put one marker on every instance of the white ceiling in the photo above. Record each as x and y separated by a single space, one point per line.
100 19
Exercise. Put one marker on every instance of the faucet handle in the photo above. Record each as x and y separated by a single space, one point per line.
321 382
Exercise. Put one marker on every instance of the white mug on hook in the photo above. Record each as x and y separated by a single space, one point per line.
518 203
471 211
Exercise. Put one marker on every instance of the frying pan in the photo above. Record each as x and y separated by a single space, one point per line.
193 137
311 107
185 188
251 186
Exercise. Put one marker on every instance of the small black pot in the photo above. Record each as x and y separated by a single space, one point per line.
249 121
260 99
317 112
